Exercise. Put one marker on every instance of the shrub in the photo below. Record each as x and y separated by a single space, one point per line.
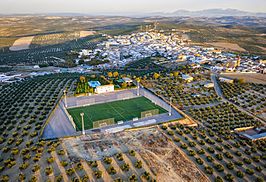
59 178
119 156
138 164
132 153
199 161
79 166
50 160
249 171
146 175
229 177
21 177
219 167
48 170
98 174
133 178
218 179
24 165
208 169
240 174
64 163
111 170
70 171
107 160
61 152
35 168
125 167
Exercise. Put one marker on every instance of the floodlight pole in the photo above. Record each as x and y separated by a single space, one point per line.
170 107
138 88
65 99
82 122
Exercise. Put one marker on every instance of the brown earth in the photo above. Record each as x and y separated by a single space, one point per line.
226 45
249 77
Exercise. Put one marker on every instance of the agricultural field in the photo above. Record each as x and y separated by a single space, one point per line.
222 117
26 157
248 77
52 39
184 94
49 54
123 110
249 96
213 146
143 153
25 107
221 155
228 46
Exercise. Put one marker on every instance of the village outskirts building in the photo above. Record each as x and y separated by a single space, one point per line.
187 78
209 85
251 133
226 80
104 89
99 89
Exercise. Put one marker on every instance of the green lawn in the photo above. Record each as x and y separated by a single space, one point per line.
123 110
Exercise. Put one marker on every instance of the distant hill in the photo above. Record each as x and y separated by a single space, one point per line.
211 13
178 13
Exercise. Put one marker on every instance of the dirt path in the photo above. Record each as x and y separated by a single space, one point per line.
60 167
145 166
106 176
131 165
88 170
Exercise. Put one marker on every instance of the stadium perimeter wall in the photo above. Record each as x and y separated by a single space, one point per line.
94 99
155 99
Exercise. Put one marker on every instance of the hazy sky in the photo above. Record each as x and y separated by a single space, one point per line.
102 6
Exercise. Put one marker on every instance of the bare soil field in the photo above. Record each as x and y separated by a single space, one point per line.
168 161
159 155
21 43
226 45
262 48
86 33
248 77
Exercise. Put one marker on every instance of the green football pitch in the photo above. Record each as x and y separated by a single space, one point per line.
122 110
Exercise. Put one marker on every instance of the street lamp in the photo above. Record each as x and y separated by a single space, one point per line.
138 88
65 99
170 107
82 122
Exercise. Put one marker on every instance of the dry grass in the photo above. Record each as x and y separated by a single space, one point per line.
22 43
86 33
226 45
248 77
262 48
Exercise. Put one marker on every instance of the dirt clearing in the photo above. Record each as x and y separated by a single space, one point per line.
86 33
159 155
226 45
21 44
249 77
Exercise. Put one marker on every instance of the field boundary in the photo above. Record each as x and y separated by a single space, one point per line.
70 118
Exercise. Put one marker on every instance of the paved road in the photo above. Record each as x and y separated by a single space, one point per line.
216 85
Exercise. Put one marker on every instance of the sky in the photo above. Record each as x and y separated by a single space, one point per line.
121 6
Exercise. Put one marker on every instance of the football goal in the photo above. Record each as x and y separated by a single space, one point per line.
149 113
104 122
